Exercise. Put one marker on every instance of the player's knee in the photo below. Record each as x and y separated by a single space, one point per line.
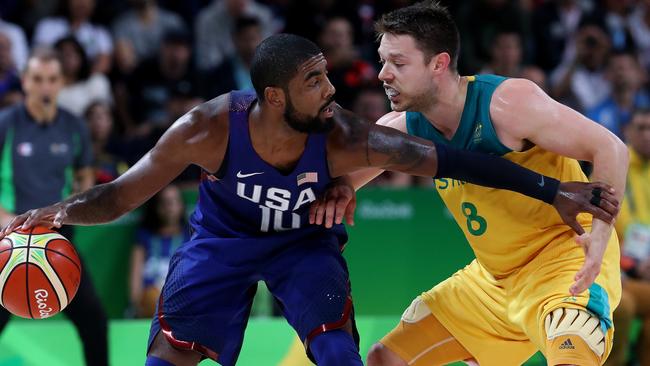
574 337
380 355
161 349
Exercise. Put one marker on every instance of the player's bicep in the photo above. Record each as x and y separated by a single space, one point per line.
175 150
527 113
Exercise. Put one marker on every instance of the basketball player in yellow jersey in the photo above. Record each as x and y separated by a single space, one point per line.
531 286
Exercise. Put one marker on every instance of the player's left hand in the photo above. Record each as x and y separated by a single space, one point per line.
339 200
575 197
594 245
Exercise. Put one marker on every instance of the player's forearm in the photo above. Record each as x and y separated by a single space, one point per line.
97 205
610 166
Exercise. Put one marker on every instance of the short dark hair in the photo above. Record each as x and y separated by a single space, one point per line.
429 23
277 59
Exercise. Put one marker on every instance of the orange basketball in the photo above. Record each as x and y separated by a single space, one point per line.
39 273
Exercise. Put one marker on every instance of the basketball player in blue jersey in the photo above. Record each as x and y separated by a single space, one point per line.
267 156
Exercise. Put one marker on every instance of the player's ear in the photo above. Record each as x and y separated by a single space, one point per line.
274 96
440 63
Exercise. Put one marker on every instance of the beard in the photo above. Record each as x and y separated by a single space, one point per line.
307 124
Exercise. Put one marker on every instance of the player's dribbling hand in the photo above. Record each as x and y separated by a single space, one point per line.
49 217
338 201
594 246
575 197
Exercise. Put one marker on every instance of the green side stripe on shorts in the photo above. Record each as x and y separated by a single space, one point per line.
7 189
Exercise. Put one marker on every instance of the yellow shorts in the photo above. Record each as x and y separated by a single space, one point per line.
501 321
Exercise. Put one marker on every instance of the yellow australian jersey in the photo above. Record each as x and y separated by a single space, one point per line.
636 205
505 229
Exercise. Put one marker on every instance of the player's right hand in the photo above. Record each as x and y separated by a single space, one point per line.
49 217
573 198
338 201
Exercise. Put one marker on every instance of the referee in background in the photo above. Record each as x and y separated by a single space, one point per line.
45 155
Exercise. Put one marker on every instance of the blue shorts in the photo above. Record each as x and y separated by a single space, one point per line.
206 300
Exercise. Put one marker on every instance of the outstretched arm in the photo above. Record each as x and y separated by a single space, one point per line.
180 146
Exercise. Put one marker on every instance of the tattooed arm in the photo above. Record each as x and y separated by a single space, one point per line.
356 144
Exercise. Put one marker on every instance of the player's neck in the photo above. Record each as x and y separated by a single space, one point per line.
273 139
446 108
41 113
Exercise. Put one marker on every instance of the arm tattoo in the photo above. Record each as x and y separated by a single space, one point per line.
397 152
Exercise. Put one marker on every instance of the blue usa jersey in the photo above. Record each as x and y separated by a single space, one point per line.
250 199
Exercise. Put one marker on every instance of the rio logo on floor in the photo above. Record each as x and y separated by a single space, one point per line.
41 301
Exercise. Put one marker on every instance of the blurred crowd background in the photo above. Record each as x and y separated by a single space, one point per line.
132 67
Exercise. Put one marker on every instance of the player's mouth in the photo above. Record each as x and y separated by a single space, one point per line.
328 110
391 93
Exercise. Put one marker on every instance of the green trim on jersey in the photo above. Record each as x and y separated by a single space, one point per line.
69 170
7 189
475 131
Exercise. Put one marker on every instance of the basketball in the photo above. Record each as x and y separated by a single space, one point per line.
39 273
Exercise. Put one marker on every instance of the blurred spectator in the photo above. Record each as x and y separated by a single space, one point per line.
555 23
346 70
162 230
81 88
234 71
95 38
633 226
10 91
138 33
479 22
639 24
160 79
616 14
580 82
307 18
27 13
186 9
371 104
18 41
214 26
108 165
626 78
506 55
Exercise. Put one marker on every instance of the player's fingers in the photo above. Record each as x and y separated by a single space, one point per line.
609 208
604 187
320 213
601 214
349 212
606 196
329 213
575 225
312 211
341 205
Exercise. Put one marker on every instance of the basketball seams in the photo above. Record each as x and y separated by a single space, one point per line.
61 288
51 250
12 263
29 306
46 266
51 285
